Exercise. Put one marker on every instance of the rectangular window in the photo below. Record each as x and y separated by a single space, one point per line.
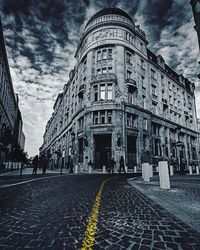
142 64
143 82
109 69
104 54
129 120
143 102
104 70
128 57
102 117
145 124
96 93
109 91
109 53
102 92
109 117
153 89
98 71
129 74
95 117
98 55
153 74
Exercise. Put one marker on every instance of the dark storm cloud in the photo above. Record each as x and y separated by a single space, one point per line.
42 36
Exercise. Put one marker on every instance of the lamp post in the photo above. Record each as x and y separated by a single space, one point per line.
179 145
72 152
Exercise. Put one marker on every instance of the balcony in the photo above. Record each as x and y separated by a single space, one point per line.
154 98
81 90
104 78
165 102
131 83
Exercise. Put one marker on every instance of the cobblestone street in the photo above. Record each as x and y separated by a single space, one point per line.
53 214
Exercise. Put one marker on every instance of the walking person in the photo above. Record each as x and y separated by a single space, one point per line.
121 165
35 164
112 165
44 164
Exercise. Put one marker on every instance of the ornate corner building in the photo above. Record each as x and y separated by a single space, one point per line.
121 100
10 116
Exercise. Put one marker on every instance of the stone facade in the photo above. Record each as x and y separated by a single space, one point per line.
121 100
10 116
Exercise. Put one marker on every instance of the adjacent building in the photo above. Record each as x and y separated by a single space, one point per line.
196 12
121 100
10 116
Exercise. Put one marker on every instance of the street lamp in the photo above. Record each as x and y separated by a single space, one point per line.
72 152
179 145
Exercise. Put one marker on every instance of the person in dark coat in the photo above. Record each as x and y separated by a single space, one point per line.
44 164
35 164
112 165
121 165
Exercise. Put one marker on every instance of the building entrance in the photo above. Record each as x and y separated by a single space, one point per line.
132 151
102 153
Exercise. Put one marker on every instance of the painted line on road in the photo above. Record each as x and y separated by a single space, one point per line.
23 182
88 241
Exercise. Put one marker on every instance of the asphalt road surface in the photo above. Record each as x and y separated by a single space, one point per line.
87 212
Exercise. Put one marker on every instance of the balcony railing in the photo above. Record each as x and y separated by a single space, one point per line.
155 97
165 102
81 90
104 77
131 82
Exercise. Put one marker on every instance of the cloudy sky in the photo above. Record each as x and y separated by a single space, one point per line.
41 38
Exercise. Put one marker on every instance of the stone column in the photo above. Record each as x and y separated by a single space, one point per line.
197 169
164 175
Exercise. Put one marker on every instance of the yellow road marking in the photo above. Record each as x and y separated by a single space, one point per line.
88 241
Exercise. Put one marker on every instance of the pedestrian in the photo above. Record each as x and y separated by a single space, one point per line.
44 164
35 164
121 165
112 165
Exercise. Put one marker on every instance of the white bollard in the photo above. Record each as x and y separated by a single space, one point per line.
164 174
10 165
89 169
171 170
126 169
76 169
104 169
135 169
197 169
190 170
150 171
145 171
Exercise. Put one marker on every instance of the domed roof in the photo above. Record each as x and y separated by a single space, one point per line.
108 11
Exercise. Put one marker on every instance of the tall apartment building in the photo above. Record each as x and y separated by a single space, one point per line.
121 100
10 116
196 12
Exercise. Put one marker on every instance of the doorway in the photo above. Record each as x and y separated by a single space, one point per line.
102 154
132 151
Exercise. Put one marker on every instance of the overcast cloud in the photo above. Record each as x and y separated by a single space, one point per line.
42 36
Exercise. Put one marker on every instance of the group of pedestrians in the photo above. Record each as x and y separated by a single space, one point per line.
41 163
111 168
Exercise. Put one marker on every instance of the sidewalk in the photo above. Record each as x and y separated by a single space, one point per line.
182 200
